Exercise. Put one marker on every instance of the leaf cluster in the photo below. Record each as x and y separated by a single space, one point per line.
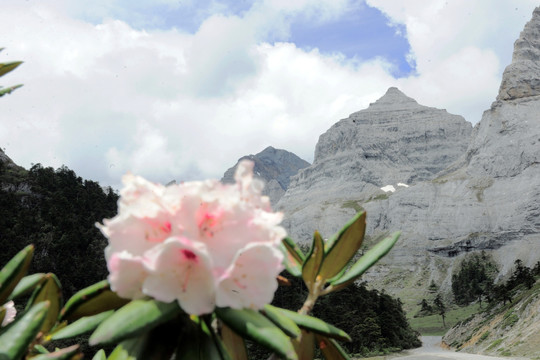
4 69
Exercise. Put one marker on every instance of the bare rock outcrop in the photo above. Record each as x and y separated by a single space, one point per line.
395 140
521 78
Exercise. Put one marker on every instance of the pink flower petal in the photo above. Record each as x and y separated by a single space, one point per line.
181 270
126 274
250 282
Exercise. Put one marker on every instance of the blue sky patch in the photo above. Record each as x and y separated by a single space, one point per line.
363 33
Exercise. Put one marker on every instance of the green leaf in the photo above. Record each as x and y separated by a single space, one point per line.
90 301
134 319
69 353
313 261
253 325
26 285
305 348
290 262
9 66
234 343
49 290
100 355
81 326
156 344
340 251
316 325
14 271
40 349
17 336
293 248
2 313
288 326
366 261
330 349
121 353
9 90
198 342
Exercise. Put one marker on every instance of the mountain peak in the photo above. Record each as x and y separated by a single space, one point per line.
394 98
522 77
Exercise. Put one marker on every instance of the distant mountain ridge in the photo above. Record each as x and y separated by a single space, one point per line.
274 167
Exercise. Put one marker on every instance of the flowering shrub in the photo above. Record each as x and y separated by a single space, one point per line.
203 244
192 270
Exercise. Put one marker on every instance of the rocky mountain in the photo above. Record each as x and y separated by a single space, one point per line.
274 167
487 196
395 140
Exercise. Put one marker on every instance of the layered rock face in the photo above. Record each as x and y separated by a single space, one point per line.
489 199
522 78
274 167
395 140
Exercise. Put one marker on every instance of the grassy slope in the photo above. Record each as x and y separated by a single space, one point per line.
508 330
432 325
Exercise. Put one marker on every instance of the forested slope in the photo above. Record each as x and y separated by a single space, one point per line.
56 211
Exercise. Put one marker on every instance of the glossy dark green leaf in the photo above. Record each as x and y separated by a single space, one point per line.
17 336
288 326
100 355
342 249
81 326
255 326
69 353
133 319
27 285
50 291
366 261
8 66
316 325
90 301
313 261
234 343
14 271
330 348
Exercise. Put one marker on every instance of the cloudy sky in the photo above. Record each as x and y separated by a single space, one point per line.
180 89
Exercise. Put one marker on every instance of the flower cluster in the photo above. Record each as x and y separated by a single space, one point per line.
203 244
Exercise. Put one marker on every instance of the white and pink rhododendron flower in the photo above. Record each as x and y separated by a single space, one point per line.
203 243
10 314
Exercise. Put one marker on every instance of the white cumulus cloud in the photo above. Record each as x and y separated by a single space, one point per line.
106 97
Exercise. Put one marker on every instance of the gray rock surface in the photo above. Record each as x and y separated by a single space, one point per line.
395 140
521 78
488 199
274 167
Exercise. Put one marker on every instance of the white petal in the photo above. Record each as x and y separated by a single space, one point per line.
251 281
180 269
